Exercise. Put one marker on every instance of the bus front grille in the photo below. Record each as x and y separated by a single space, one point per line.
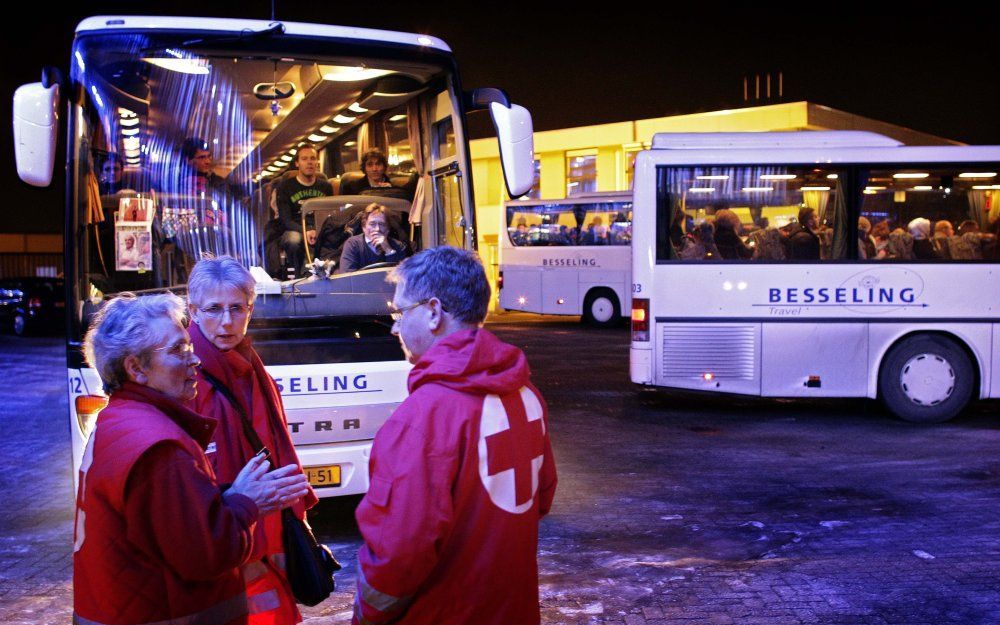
722 352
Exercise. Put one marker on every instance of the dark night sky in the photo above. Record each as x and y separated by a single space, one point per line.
931 70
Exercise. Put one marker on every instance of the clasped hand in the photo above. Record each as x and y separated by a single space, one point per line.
273 490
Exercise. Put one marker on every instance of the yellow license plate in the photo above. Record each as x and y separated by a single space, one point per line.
324 476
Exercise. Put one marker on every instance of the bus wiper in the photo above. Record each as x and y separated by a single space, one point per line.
277 28
245 35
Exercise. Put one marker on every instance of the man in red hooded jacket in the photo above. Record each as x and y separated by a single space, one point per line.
463 471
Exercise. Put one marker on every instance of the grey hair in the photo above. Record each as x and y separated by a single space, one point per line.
123 328
220 271
456 277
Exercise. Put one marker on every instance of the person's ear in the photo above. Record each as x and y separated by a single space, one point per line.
134 370
193 313
436 318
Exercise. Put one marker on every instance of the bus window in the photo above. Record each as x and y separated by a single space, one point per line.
754 213
541 224
928 213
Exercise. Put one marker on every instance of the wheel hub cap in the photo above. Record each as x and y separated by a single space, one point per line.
602 309
927 379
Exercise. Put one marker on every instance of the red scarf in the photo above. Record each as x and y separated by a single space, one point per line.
199 427
239 370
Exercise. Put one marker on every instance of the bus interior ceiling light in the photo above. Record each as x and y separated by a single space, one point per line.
757 189
913 176
182 66
984 174
778 176
328 130
317 138
357 108
343 119
339 73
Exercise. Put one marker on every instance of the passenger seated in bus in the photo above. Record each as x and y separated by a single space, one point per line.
967 226
900 245
373 245
200 176
727 236
880 234
677 233
597 233
290 195
866 244
111 175
923 248
374 179
335 232
701 244
769 245
520 234
943 232
802 242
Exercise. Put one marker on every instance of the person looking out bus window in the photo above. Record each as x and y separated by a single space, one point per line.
802 241
373 245
463 471
289 196
157 538
220 303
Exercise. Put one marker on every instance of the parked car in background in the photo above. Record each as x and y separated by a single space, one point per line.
32 305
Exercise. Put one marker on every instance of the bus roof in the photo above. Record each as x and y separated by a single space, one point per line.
757 140
325 31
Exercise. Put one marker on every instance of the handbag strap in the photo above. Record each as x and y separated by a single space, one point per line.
248 430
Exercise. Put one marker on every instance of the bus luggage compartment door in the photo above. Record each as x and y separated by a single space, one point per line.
720 357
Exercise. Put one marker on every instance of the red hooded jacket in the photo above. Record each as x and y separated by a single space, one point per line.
460 476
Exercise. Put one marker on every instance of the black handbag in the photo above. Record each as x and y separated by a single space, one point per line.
309 565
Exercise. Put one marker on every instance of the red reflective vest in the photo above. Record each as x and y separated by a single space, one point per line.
155 540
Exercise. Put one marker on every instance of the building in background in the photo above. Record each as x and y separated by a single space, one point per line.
571 161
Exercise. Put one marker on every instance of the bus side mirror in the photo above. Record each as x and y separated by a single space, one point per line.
36 127
514 133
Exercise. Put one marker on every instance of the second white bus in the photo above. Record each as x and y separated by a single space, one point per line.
890 289
568 257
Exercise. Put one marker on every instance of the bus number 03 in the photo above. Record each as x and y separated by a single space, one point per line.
636 288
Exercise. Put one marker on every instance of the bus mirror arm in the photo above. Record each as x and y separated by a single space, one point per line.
479 99
36 127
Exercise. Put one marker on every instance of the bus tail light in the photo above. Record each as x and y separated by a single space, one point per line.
640 319
500 281
87 409
35 302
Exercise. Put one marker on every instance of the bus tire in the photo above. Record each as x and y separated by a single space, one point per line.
601 308
926 378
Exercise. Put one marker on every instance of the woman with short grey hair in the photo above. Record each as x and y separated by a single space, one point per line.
148 493
235 386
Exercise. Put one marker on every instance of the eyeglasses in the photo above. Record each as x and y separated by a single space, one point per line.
397 313
236 310
181 350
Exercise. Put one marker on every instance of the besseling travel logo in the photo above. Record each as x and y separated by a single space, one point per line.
873 291
577 260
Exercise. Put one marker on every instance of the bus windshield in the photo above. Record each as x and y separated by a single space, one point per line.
181 145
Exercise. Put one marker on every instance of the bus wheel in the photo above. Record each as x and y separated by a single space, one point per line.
601 308
926 379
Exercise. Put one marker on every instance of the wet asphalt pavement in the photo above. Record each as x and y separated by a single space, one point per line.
671 508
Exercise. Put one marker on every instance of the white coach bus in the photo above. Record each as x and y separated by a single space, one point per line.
818 264
568 257
149 102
